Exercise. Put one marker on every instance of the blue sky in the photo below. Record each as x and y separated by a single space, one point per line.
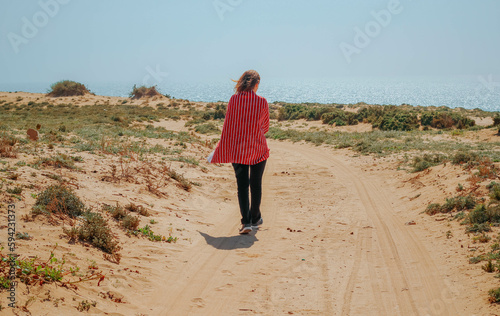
200 40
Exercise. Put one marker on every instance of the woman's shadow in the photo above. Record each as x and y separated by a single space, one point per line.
232 242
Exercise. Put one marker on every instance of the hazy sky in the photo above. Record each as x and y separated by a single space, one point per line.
200 40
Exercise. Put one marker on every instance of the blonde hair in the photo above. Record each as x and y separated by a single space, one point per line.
247 81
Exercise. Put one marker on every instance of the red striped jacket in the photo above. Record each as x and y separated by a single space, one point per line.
246 122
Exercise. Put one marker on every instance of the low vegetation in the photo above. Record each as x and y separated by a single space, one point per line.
131 223
8 147
386 118
58 200
94 229
67 88
36 272
144 92
477 212
134 150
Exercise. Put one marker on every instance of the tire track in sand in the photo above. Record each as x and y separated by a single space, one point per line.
389 273
417 288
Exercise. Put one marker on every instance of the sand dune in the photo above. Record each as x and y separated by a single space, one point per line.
343 234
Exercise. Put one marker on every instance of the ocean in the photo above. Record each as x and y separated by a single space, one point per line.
468 92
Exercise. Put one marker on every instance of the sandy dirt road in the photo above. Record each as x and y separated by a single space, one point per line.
331 244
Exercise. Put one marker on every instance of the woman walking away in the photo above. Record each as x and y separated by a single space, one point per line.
244 145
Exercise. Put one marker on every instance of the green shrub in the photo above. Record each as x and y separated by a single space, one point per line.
59 199
95 230
335 116
494 189
496 120
433 208
373 114
426 118
479 215
478 228
117 212
58 161
67 88
147 232
421 163
220 111
208 128
398 121
442 120
315 113
494 212
458 203
464 157
291 112
494 295
489 267
15 190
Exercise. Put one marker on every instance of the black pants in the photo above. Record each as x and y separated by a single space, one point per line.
250 214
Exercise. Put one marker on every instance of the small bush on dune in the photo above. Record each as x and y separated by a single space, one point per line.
181 181
479 215
208 128
137 209
8 147
121 214
494 189
433 208
67 88
398 121
494 295
58 161
94 229
60 200
337 117
144 92
458 203
130 222
443 120
421 163
496 120
478 228
220 111
291 112
117 212
464 157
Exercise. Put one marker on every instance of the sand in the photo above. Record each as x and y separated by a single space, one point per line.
335 241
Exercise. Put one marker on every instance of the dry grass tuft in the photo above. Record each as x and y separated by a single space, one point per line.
144 92
8 147
137 209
